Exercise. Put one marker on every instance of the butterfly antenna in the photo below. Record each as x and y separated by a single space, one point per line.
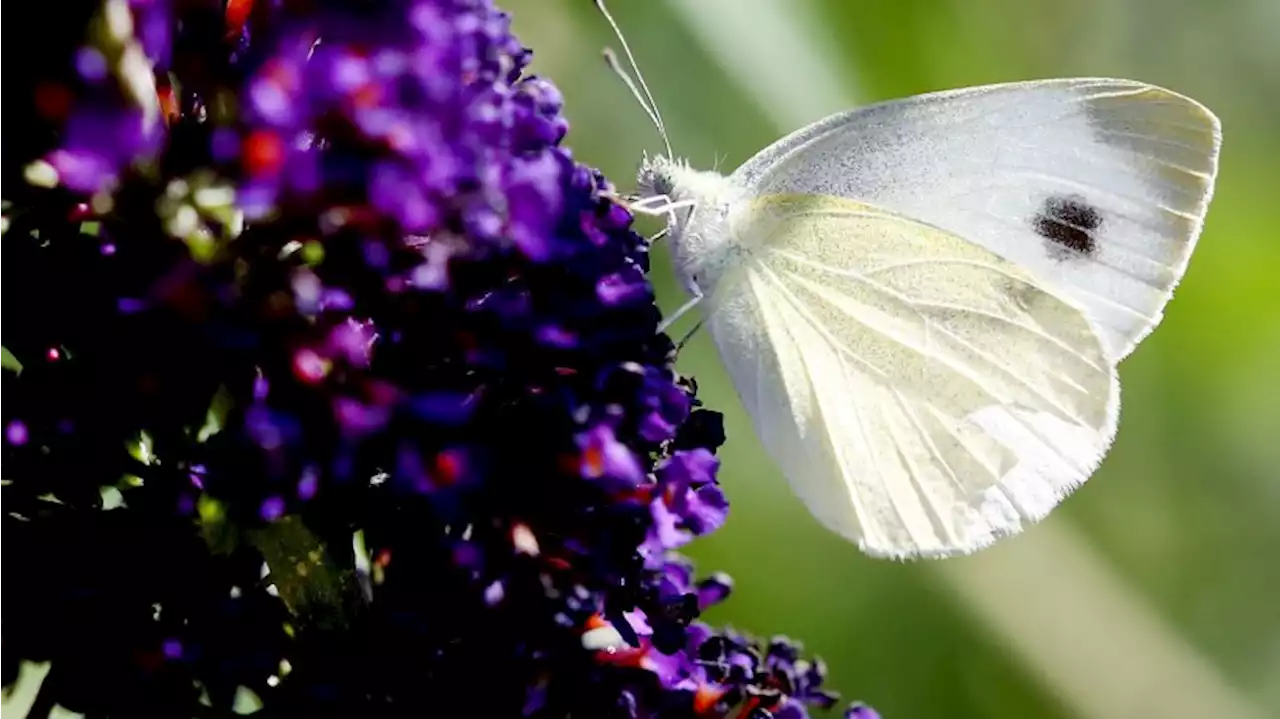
646 100
612 61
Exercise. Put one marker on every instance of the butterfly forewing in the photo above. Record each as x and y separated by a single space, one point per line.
1098 187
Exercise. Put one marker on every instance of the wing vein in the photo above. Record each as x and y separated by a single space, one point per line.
865 278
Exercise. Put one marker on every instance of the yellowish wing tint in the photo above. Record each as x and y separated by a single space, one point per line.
922 395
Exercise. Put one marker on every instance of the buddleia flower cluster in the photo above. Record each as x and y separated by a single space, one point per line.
332 384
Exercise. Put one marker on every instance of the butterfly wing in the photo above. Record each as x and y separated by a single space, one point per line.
922 395
1099 187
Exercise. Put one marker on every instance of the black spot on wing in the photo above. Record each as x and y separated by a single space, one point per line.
1070 224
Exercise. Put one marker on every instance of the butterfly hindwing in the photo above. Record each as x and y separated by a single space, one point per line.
923 395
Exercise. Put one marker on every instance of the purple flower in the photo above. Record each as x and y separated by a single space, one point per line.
117 118
603 456
392 432
861 711
692 490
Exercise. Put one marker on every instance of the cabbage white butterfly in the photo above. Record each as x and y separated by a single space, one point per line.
921 303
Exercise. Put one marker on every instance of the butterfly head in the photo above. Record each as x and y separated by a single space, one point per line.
659 175
697 205
678 184
668 187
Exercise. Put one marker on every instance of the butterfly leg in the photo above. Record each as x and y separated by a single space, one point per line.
688 336
668 209
659 205
646 205
680 312
643 204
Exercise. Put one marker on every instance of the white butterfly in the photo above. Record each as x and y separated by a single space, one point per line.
922 303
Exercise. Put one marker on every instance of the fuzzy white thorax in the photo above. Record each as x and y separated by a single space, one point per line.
702 242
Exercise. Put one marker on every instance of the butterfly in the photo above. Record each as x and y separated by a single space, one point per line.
922 303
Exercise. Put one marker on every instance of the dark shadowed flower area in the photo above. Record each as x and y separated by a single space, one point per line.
332 378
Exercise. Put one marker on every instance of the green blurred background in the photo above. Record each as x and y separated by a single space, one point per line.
1155 590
